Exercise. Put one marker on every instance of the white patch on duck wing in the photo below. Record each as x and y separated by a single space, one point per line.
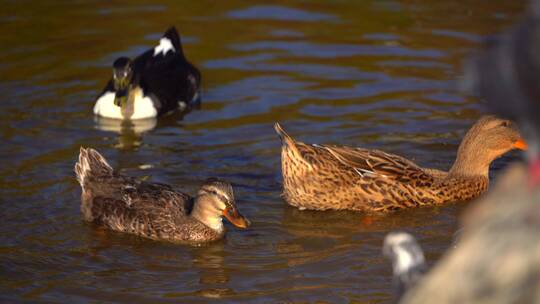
165 45
105 106
359 171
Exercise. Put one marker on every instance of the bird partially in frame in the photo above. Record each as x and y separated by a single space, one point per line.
153 210
322 177
408 262
159 81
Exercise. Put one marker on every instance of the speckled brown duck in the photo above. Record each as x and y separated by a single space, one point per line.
153 210
322 177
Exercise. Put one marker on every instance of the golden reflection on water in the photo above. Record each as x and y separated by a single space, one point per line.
378 74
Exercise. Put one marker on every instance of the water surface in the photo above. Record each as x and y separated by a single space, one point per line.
378 74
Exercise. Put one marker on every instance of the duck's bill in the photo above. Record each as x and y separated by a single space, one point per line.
120 98
236 218
521 144
119 101
121 86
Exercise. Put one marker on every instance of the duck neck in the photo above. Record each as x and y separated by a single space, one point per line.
205 212
470 164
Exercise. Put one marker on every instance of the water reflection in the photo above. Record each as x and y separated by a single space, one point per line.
213 274
125 126
129 131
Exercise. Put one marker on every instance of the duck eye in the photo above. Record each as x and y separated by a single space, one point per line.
224 199
505 123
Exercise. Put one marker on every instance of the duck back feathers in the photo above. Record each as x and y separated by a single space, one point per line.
167 76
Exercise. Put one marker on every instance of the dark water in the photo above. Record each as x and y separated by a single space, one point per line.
371 73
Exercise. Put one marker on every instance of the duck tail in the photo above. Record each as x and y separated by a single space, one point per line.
289 145
286 139
90 164
174 37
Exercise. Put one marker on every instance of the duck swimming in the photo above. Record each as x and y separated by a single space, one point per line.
153 210
157 82
322 177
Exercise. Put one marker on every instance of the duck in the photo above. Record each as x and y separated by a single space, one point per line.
329 177
159 81
408 261
153 210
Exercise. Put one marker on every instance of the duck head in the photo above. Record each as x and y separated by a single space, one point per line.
488 139
122 78
215 200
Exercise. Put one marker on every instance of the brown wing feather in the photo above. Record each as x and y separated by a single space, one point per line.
160 196
378 163
139 194
139 218
130 205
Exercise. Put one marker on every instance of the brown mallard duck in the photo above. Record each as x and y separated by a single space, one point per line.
322 177
153 210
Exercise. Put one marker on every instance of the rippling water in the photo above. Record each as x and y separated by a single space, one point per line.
378 74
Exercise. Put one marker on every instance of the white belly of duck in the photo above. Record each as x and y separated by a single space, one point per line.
143 106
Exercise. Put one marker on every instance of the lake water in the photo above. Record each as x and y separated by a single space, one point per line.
378 74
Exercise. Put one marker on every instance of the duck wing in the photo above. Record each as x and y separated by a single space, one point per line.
148 209
376 163
157 196
166 75
171 80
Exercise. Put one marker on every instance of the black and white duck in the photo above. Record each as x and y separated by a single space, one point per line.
153 210
157 82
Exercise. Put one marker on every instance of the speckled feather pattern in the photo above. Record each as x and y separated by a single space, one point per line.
126 204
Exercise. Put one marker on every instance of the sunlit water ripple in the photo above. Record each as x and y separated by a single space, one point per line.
378 74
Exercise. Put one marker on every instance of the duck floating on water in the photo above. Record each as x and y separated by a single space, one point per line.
322 177
153 210
157 82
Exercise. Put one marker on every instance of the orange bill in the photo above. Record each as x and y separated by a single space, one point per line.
521 144
235 218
